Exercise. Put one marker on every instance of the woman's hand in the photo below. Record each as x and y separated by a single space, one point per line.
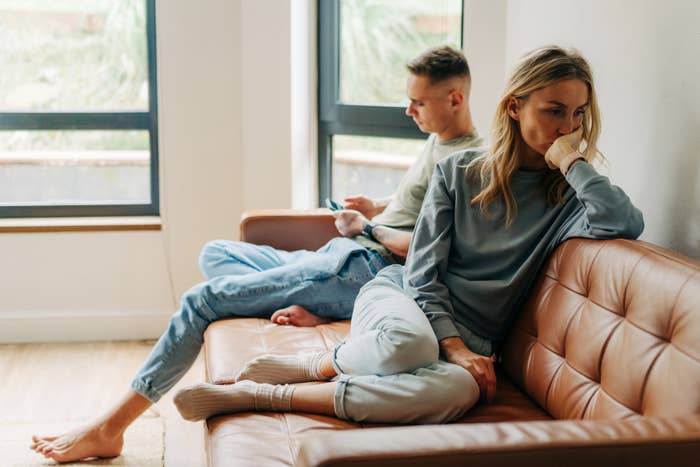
563 150
366 206
480 367
349 223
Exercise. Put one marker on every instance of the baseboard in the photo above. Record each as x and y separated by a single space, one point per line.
80 326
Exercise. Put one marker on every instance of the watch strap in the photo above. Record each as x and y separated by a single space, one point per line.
367 230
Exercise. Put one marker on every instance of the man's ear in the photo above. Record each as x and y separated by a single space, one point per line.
513 108
456 98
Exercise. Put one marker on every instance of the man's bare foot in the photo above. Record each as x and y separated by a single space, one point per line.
83 443
296 315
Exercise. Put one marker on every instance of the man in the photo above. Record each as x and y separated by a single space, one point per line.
301 288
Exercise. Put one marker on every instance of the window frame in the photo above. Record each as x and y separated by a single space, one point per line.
100 120
337 118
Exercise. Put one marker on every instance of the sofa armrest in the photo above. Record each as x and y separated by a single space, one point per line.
635 442
288 229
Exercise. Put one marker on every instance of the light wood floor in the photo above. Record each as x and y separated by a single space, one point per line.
47 382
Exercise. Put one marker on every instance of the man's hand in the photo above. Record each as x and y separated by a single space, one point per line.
349 223
364 205
480 367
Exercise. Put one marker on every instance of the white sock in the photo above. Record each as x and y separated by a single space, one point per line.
279 369
202 401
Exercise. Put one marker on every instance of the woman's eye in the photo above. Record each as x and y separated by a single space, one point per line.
556 112
579 113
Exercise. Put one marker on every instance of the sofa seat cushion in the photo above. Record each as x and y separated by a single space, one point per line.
509 405
273 438
269 439
231 343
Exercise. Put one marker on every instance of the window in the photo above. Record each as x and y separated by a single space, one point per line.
78 114
366 142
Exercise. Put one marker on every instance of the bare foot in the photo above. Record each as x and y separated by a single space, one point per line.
296 315
79 444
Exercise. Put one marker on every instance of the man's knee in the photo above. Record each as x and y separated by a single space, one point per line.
211 250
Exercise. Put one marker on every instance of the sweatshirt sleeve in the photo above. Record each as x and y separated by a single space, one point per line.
428 254
607 210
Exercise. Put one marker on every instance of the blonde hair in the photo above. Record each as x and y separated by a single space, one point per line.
535 70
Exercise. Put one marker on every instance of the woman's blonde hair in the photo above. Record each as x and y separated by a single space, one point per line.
535 70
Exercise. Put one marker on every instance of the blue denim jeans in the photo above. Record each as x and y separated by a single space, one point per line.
255 281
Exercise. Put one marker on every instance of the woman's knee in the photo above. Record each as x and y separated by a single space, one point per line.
408 349
402 334
391 276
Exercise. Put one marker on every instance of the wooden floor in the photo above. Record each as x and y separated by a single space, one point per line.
47 382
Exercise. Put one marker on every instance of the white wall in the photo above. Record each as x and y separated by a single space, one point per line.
236 92
484 46
644 55
203 167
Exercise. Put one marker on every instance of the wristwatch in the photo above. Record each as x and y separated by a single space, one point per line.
367 230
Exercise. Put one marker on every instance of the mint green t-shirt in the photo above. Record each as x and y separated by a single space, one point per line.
404 207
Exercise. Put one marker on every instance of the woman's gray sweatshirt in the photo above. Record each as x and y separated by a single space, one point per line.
465 269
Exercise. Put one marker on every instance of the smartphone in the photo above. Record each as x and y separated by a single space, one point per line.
333 206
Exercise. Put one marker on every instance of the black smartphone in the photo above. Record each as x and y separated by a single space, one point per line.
333 206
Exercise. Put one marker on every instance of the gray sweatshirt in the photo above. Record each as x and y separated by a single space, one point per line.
464 269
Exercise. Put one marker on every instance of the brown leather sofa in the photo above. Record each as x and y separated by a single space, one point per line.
601 368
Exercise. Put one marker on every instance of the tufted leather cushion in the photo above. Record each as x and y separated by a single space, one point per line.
611 330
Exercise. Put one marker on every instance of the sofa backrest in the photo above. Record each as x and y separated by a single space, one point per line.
611 329
288 229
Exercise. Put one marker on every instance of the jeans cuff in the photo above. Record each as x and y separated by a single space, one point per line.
146 391
334 356
339 397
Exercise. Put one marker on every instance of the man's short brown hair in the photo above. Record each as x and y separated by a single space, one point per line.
439 64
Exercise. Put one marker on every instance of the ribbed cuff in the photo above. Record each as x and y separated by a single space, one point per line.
444 327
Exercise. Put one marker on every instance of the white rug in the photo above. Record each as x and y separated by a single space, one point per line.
143 444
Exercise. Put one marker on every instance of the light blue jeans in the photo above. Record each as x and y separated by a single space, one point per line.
255 281
389 369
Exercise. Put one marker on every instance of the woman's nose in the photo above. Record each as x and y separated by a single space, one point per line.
569 125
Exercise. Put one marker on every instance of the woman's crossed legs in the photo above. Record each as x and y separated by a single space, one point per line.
388 370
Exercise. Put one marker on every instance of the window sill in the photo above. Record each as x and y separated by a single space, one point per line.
79 224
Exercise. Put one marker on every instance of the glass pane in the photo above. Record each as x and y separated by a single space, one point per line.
378 38
369 165
74 167
73 55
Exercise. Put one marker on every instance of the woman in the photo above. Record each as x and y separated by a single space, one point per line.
488 223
